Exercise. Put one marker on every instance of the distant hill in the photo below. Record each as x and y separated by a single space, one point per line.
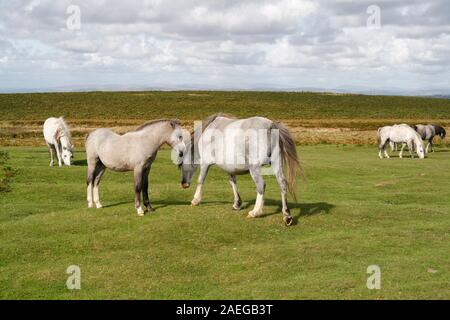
442 96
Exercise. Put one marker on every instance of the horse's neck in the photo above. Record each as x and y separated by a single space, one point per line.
417 140
159 140
65 141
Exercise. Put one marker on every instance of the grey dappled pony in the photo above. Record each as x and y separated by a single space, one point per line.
133 151
428 132
240 146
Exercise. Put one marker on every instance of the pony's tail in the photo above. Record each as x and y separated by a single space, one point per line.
289 157
379 137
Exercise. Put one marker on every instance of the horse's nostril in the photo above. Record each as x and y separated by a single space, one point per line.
181 154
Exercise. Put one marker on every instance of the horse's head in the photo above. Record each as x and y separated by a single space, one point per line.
176 140
66 147
188 166
420 151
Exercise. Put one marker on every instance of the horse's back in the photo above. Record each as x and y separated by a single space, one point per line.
97 138
50 127
401 133
232 133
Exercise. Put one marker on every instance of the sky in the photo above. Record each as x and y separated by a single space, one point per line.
332 45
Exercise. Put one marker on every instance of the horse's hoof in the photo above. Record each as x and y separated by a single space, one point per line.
195 202
253 214
90 205
236 207
140 212
98 205
288 221
150 209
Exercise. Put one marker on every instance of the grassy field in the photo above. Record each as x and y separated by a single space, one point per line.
317 118
195 105
354 211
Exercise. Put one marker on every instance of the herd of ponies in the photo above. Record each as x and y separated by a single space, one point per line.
136 150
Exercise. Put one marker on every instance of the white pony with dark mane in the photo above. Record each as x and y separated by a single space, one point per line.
58 139
400 134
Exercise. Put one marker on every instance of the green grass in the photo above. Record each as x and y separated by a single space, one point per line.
354 211
197 105
6 172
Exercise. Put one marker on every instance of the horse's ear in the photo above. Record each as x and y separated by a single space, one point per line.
173 124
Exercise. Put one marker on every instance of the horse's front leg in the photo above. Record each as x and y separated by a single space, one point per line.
410 148
137 190
147 203
201 178
58 153
237 198
50 148
400 155
255 172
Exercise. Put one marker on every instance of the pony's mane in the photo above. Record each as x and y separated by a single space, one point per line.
152 122
439 129
207 121
63 125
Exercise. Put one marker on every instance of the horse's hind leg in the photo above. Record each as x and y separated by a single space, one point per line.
138 173
382 149
94 174
255 172
147 203
99 171
201 179
283 188
237 198
92 163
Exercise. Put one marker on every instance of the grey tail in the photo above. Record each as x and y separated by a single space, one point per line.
290 159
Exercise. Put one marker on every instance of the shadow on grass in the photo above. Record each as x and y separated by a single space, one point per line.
80 163
297 209
158 204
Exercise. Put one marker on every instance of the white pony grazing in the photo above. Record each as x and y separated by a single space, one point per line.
400 134
57 136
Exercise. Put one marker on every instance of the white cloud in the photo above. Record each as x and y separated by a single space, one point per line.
225 42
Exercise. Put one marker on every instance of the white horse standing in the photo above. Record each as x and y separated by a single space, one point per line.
403 134
240 146
58 139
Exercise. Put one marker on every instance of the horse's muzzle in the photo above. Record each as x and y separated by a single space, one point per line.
185 185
